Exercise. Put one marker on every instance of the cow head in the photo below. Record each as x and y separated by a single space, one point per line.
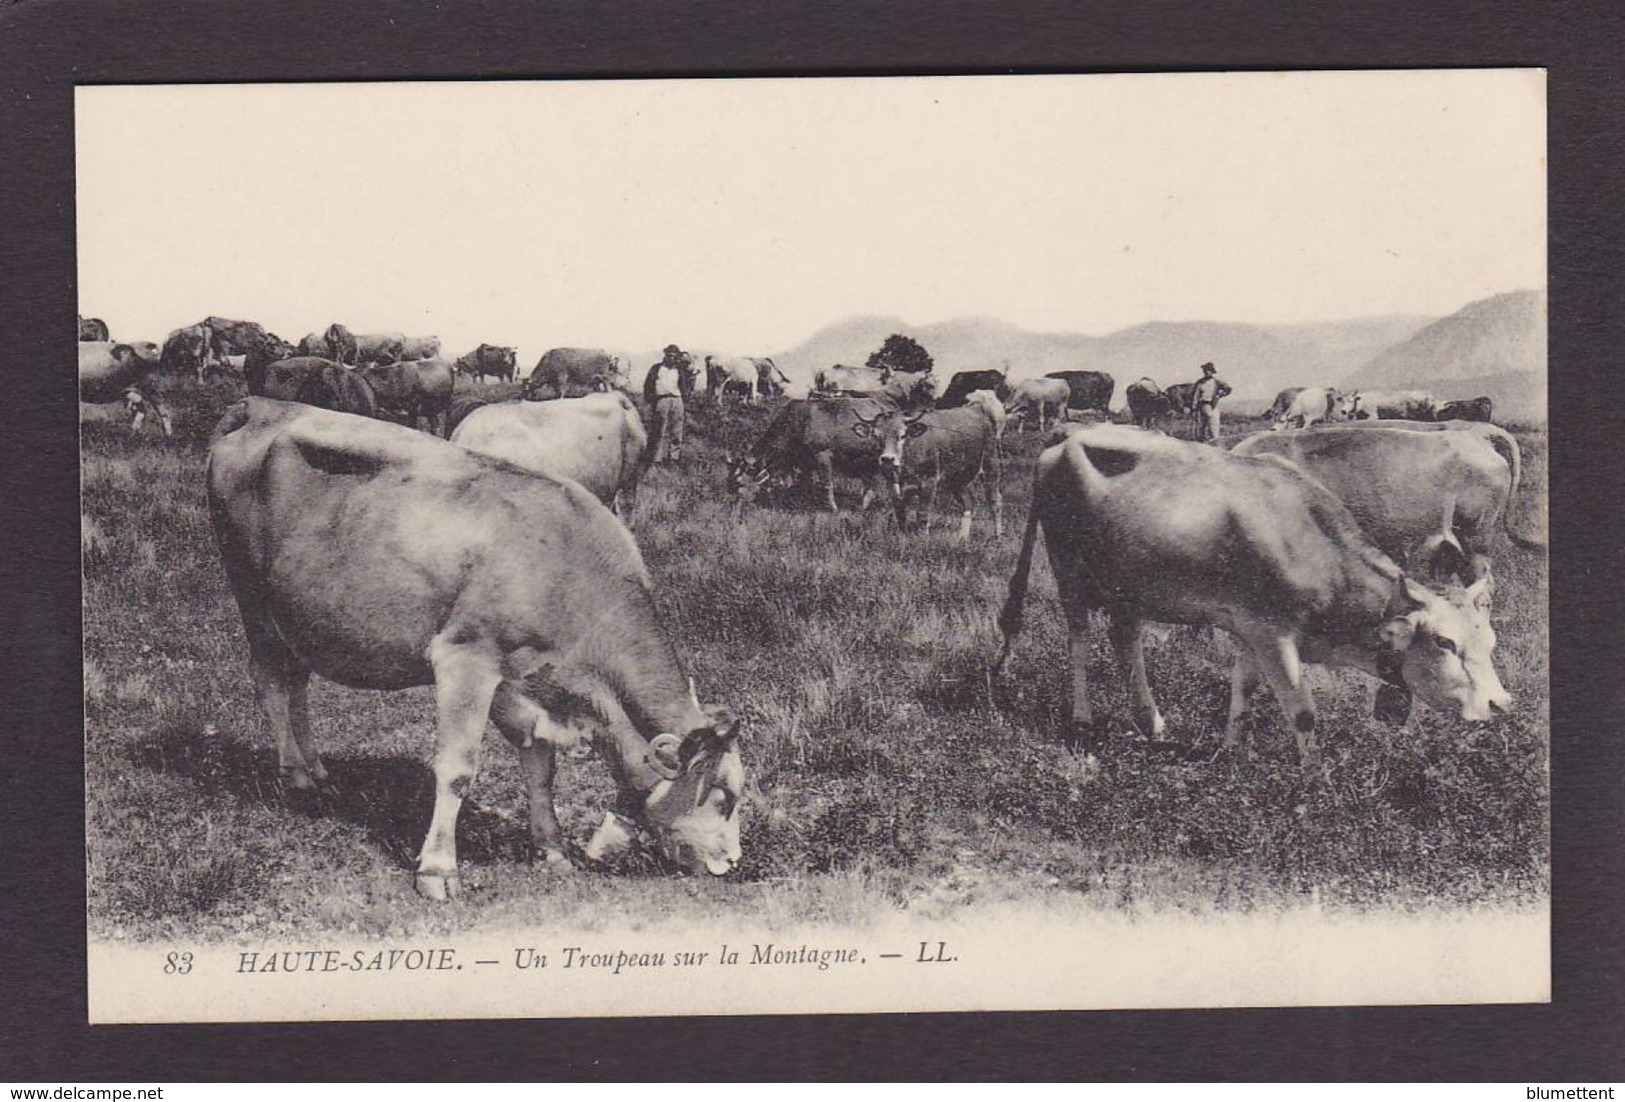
1339 406
895 430
693 810
1440 648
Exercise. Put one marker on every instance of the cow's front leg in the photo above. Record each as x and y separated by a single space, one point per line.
1277 659
826 472
465 680
1126 641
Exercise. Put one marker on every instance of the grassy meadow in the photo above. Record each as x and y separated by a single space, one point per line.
887 770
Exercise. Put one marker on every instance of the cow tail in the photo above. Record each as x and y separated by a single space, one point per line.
1507 445
1010 617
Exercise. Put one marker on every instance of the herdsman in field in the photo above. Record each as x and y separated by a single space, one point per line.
668 383
1210 389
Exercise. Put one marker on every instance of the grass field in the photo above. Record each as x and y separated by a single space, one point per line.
887 770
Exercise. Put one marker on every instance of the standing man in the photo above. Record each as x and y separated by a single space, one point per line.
1205 404
664 389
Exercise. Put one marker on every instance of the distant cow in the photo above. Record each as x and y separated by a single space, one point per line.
498 361
770 381
572 371
1040 402
92 329
1399 405
314 382
822 436
188 349
314 344
412 389
1147 403
1089 389
963 382
597 440
420 348
1430 500
1150 528
111 372
728 374
379 348
905 389
944 451
1283 402
341 344
1469 409
525 604
230 337
1311 405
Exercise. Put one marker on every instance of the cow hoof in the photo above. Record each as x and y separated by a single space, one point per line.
557 861
297 780
438 888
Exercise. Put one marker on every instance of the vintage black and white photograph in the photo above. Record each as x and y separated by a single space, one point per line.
603 547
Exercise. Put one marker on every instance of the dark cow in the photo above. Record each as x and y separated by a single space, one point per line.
498 361
1147 403
412 389
821 436
1430 500
963 382
188 349
230 337
314 344
319 519
1150 528
944 451
314 382
1090 389
463 404
1468 409
572 372
93 329
111 372
341 344
597 440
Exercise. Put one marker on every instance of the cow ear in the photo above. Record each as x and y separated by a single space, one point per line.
1408 595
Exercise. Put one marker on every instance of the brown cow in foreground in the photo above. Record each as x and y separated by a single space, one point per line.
383 558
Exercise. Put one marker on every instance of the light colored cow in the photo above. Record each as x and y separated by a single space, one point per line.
1041 400
597 440
383 558
1311 405
1150 528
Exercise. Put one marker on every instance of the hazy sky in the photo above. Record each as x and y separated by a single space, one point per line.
743 215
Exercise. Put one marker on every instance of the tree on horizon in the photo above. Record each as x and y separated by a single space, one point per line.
900 353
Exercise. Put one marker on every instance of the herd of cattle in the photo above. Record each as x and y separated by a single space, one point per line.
493 566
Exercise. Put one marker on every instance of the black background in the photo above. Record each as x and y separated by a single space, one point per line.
47 46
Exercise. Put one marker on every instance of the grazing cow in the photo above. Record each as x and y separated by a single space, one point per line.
1396 405
498 361
1429 500
945 450
1147 402
1311 405
314 382
420 348
461 406
1283 402
379 348
188 349
525 603
906 389
597 440
963 382
314 344
1467 409
1038 402
770 381
823 436
572 371
1089 389
230 337
111 372
730 374
1150 528
1181 397
341 344
93 329
412 389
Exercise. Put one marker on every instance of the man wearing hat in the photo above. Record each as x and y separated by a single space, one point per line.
665 387
1205 404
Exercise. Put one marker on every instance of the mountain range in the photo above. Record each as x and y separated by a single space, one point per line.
1494 346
